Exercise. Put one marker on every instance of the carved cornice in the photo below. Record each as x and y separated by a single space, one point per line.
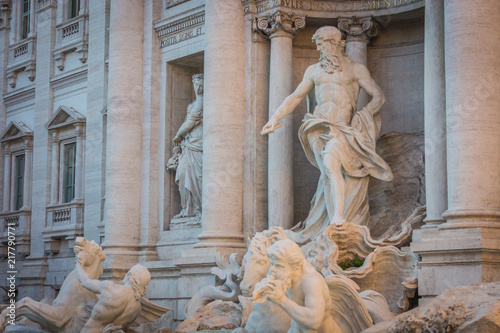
20 96
5 9
44 4
271 23
358 27
172 3
60 82
182 29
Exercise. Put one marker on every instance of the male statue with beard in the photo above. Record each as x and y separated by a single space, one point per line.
337 138
294 284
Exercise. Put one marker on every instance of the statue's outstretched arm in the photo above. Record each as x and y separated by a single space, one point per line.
371 87
291 102
84 278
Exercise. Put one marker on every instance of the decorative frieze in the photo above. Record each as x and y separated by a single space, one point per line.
270 23
182 29
333 6
358 27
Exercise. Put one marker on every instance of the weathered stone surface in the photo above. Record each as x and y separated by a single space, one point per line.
393 202
470 309
214 316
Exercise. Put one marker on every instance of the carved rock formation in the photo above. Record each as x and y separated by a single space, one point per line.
386 269
214 316
470 309
392 202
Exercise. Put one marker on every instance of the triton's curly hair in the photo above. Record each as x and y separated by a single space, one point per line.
288 251
139 278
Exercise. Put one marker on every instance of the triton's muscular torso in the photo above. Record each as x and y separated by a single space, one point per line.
335 93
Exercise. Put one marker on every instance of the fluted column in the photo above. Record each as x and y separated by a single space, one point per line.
6 179
28 160
124 131
54 175
79 161
223 125
358 33
280 27
473 120
435 114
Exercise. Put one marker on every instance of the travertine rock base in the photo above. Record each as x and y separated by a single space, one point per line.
214 316
471 309
393 202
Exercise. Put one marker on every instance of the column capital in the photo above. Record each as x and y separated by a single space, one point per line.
54 137
358 28
269 24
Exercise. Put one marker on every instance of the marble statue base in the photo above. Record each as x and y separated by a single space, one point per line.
185 222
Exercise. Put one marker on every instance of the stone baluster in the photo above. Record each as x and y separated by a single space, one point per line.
435 114
359 32
280 27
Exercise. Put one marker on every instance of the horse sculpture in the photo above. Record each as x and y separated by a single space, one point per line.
266 317
350 308
70 309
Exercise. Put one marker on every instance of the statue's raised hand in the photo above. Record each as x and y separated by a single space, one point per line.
270 127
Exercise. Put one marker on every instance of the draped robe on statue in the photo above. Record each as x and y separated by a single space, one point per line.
189 171
354 147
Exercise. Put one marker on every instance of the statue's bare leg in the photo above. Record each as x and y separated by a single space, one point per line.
333 169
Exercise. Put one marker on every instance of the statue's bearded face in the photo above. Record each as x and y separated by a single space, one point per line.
330 55
281 270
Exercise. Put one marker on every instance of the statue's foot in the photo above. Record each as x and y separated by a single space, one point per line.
337 221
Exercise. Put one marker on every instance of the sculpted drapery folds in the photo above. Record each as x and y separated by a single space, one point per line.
189 146
336 138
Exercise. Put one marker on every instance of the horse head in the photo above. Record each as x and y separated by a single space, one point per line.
256 264
91 256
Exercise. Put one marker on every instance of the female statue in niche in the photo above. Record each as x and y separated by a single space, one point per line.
188 154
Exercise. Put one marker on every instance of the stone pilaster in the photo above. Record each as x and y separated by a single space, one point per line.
150 140
256 152
7 159
124 133
80 162
54 169
44 104
435 114
32 273
223 126
5 12
359 31
280 27
97 89
28 164
465 249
